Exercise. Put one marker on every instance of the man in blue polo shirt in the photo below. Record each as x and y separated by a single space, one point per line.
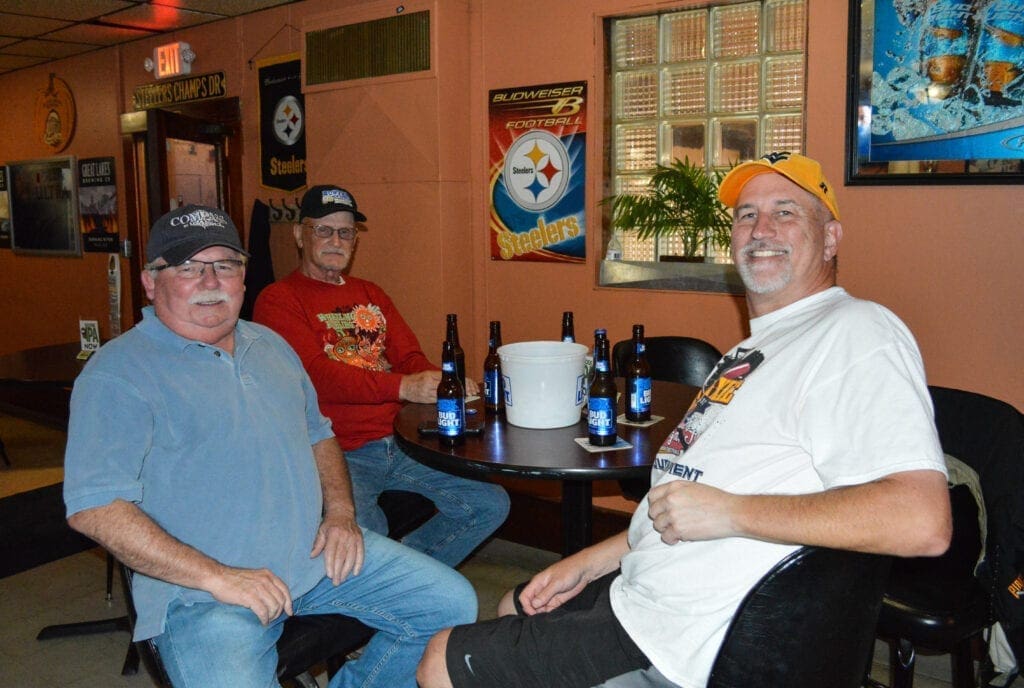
198 456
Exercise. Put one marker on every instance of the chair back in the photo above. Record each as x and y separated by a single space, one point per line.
810 621
672 358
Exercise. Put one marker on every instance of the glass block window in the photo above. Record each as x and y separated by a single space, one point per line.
717 85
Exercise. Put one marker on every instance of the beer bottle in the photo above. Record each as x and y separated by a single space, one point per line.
601 409
459 355
568 331
451 400
494 396
638 379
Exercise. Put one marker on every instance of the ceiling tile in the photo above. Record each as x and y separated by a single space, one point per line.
158 17
97 34
68 27
79 10
18 25
52 49
9 62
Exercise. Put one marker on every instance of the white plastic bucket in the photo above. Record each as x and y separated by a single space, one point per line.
544 383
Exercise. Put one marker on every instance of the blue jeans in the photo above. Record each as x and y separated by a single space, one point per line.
405 595
468 510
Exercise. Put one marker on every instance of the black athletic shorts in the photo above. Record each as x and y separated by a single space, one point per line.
579 644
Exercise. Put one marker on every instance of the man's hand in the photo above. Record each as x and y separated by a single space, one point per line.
256 589
682 510
420 388
553 586
341 542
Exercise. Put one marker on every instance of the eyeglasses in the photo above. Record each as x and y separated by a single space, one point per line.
325 232
194 269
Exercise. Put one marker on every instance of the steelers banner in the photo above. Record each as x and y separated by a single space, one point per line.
537 156
282 124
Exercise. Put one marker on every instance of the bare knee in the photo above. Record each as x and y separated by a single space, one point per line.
507 606
433 669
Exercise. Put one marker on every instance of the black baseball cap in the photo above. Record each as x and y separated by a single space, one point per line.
325 199
185 231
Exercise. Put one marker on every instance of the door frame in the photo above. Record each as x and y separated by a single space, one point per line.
144 134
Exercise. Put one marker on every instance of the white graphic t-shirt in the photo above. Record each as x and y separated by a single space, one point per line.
828 391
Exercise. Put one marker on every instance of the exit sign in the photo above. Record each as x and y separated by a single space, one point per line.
169 60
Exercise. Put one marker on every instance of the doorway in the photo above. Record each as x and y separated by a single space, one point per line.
188 153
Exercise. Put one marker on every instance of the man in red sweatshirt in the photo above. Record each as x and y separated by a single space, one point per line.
365 362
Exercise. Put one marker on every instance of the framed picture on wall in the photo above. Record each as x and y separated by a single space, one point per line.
44 207
936 92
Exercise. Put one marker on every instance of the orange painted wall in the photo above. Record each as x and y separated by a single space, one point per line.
414 152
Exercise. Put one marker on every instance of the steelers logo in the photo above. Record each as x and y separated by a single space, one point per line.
536 170
288 120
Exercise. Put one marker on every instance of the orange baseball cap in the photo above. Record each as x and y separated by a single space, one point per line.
799 169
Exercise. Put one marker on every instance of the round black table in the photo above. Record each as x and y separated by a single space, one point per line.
35 384
552 454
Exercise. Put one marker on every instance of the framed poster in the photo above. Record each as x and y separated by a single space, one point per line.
97 205
936 92
537 173
44 207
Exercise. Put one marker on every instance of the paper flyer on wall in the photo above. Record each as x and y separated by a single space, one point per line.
97 205
537 173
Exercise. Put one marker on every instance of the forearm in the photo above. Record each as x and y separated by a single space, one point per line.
905 514
603 557
135 539
334 479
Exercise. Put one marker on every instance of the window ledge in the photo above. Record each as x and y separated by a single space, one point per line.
720 278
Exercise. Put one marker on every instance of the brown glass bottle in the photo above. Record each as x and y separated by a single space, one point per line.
494 392
601 408
568 329
452 336
638 379
451 401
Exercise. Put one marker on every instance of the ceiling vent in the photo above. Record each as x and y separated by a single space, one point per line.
395 45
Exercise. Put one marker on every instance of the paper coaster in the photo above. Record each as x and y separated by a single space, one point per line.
638 423
619 444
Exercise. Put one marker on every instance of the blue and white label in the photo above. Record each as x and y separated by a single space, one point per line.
640 395
601 416
492 387
451 417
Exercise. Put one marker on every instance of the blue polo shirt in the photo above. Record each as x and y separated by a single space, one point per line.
215 448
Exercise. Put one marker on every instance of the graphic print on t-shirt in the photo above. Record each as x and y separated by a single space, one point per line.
357 337
719 389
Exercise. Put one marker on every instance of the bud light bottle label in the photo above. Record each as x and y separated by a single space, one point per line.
492 388
451 417
640 395
601 416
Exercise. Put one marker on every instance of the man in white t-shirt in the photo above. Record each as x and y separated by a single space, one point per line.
815 430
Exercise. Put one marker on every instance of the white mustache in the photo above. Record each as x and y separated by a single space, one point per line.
762 246
208 297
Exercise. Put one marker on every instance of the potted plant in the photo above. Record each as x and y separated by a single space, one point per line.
683 201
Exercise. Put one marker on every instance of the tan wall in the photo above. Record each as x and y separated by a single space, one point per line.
415 154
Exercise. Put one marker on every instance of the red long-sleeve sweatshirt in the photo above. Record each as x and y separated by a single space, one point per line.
354 344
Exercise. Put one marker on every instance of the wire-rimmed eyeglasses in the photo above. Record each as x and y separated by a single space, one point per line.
325 232
227 268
